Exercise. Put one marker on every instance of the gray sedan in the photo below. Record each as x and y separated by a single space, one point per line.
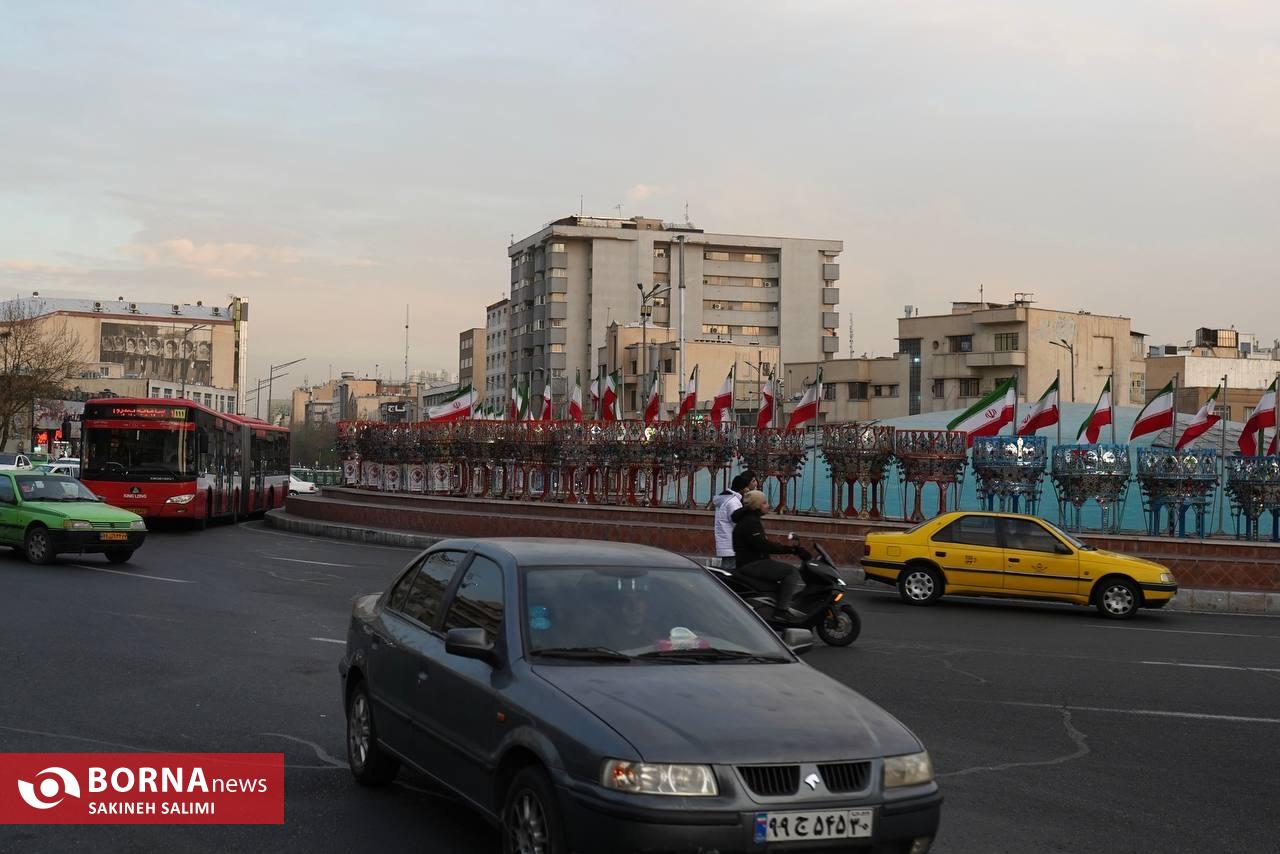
588 696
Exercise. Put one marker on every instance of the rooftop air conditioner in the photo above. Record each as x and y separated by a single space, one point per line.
97 306
177 309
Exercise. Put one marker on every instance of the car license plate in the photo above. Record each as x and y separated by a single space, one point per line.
820 824
115 535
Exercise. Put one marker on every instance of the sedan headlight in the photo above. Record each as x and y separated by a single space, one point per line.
181 499
1167 578
137 525
643 778
76 525
909 770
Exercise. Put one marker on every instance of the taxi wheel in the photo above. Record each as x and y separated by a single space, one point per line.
531 822
1117 599
920 585
38 546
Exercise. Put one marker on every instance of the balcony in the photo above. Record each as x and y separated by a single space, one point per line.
830 272
558 259
557 335
1001 359
753 269
735 317
557 285
830 296
731 292
831 320
830 344
557 310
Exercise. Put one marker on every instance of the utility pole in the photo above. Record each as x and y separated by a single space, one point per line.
680 338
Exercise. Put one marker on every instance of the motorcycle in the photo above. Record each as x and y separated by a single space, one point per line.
821 600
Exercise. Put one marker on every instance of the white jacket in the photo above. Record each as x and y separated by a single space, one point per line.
726 503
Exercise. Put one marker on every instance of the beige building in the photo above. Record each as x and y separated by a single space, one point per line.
1215 355
866 389
954 359
573 279
636 351
352 398
471 353
497 382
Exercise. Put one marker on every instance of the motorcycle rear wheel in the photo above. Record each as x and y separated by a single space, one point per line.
840 626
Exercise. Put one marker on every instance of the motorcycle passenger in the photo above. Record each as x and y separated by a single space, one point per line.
753 549
726 503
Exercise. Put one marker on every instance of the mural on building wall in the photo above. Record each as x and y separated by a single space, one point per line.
160 351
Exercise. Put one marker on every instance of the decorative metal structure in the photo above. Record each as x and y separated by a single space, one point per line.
779 454
1010 470
930 456
1253 484
1174 482
1098 473
859 455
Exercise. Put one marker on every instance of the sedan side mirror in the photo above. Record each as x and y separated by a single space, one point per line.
471 643
799 641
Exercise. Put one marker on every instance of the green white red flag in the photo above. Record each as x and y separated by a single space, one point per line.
1043 413
575 402
1264 415
690 400
764 418
609 399
1157 415
807 409
1099 417
723 401
653 406
1202 422
455 408
988 416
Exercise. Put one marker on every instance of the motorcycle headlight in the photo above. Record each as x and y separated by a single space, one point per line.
643 778
76 525
909 770
181 499
137 525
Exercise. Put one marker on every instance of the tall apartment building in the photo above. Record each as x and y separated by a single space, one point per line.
471 353
573 278
497 381
954 359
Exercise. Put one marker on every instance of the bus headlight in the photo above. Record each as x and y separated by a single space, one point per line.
76 525
181 499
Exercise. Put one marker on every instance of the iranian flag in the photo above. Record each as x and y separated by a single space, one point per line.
1274 447
1098 418
455 408
764 418
1263 416
807 410
575 402
723 400
1202 423
1156 415
653 406
690 400
1044 412
609 399
989 415
595 396
546 401
515 405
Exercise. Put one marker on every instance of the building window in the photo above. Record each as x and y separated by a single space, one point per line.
1006 341
155 391
911 346
961 343
715 329
710 255
939 389
969 388
666 366
557 247
858 391
559 273
828 391
659 252
634 365
168 392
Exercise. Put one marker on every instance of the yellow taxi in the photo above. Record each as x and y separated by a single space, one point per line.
1006 554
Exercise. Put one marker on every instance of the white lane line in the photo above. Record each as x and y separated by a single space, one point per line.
328 640
1158 713
1214 666
312 562
132 574
1186 632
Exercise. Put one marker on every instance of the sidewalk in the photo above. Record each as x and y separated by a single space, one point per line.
1187 599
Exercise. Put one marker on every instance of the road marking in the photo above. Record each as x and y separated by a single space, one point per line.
312 562
334 541
1186 632
328 640
1214 666
1158 713
132 574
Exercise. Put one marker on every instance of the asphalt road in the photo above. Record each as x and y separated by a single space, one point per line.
1051 729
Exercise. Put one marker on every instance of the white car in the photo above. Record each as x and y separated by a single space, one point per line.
297 486
71 468
13 462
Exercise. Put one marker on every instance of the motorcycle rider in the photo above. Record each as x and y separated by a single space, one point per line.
726 503
752 550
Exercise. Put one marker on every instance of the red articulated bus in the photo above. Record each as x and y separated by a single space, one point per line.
175 459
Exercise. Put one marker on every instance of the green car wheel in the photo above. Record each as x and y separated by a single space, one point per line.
38 545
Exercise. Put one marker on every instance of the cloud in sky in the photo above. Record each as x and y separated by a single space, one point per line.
334 167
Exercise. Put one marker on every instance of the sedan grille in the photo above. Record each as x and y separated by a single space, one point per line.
107 526
771 781
845 777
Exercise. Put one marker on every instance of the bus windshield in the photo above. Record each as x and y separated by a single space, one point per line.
120 453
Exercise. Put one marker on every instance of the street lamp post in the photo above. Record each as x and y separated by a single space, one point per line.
645 298
271 375
1071 351
186 368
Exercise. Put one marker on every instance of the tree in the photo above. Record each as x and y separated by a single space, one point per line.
312 444
37 354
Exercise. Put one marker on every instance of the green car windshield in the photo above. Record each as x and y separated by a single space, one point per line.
44 487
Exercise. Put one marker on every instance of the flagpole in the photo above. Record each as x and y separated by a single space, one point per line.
1111 388
1222 462
1057 383
1013 428
1173 442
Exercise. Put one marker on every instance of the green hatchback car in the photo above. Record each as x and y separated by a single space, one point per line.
44 515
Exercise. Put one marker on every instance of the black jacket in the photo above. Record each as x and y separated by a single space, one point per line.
749 542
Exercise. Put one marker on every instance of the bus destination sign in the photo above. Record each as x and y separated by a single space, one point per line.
156 413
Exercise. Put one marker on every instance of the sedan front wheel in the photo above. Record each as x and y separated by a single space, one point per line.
38 545
531 822
1118 599
369 763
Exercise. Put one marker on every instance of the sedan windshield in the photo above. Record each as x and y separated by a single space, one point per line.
623 615
8 459
46 487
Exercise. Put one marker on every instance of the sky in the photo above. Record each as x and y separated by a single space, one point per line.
333 163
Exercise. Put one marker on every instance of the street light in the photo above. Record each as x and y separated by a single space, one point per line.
1071 350
271 376
183 392
645 298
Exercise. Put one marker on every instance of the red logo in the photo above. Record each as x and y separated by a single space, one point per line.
142 788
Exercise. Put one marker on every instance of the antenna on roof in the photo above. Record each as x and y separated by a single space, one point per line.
579 204
686 211
618 206
979 293
406 343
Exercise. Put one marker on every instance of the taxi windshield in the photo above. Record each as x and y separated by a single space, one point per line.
53 488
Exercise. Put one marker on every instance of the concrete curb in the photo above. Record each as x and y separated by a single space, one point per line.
1187 599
